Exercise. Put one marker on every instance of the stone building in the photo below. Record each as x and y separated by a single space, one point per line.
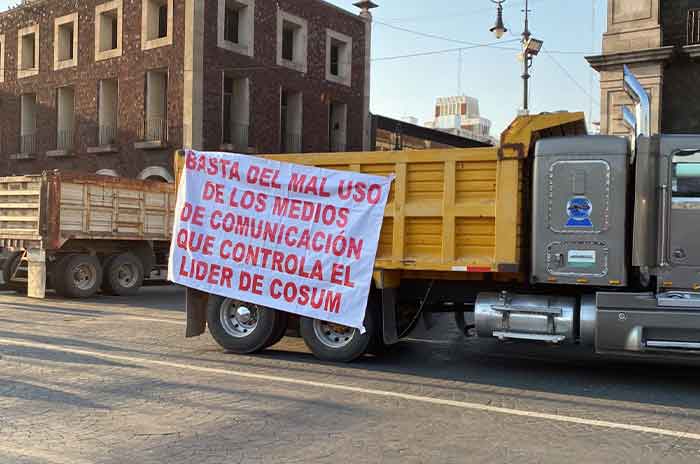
460 115
660 41
114 86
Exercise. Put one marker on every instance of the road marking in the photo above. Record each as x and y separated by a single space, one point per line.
150 319
40 455
366 391
107 315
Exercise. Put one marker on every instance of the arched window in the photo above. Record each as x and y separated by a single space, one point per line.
156 174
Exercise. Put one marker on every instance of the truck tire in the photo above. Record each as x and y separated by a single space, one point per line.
8 268
240 327
78 276
336 343
56 269
281 329
123 275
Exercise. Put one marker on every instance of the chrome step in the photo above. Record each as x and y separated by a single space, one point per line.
502 335
666 345
679 300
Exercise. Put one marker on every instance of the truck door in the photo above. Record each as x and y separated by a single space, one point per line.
684 221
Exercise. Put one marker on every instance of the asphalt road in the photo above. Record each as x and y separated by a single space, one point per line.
113 380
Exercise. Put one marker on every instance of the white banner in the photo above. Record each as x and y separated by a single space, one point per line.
296 238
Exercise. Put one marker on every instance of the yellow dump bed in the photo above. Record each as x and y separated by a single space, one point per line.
454 210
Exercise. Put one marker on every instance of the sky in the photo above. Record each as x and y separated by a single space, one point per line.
409 86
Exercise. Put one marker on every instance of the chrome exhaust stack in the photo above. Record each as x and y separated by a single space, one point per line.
642 103
630 121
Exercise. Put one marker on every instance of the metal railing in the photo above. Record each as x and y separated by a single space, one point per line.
237 137
65 140
28 144
154 130
107 135
693 37
291 143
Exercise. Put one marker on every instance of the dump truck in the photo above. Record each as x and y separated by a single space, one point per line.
80 234
554 237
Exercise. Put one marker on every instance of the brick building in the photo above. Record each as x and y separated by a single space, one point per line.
114 86
660 41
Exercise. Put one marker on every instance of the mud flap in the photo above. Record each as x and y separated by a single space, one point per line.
389 324
36 269
196 307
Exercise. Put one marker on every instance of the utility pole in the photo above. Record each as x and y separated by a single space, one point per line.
527 61
366 7
531 48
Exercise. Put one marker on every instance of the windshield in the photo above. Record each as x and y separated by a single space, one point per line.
686 177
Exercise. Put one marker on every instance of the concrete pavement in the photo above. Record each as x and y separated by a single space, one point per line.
113 380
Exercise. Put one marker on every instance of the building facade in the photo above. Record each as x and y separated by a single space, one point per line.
460 116
115 86
660 41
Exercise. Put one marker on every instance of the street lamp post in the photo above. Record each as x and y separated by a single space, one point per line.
499 29
527 62
531 47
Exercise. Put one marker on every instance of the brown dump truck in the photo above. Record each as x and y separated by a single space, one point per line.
80 234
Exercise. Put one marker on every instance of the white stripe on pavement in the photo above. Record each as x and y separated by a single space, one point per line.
366 391
149 319
41 455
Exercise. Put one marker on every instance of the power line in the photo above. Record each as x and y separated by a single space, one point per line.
455 15
493 45
571 77
439 37
435 52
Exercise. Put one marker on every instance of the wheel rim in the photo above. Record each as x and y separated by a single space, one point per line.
333 335
126 275
239 319
84 276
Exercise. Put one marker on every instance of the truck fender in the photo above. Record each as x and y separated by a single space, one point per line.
196 308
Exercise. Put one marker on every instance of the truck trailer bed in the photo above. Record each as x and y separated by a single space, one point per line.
456 210
50 209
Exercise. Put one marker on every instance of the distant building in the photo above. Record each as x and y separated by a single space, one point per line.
460 116
660 41
390 134
114 86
